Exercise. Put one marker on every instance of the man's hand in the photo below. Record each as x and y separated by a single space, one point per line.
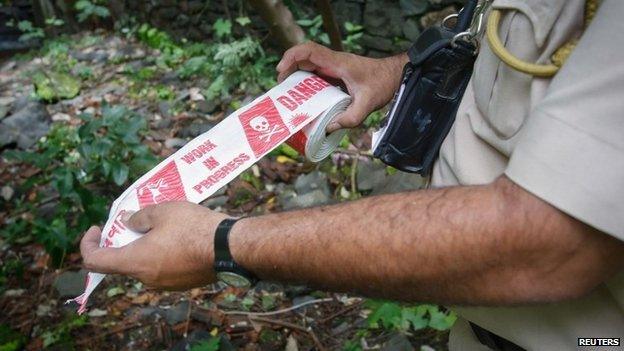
370 82
176 251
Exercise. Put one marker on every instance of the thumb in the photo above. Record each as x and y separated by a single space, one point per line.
357 111
141 221
100 259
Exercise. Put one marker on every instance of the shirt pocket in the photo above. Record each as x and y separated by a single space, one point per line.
503 95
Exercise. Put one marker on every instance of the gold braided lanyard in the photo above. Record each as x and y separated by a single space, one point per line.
558 58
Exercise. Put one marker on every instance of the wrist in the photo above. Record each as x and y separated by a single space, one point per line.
240 237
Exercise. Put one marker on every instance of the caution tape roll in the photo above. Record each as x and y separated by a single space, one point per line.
295 111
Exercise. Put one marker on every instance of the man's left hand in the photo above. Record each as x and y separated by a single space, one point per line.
175 252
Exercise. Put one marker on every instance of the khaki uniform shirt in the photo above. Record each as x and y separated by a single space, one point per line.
561 139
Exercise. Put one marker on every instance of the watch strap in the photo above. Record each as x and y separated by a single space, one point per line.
224 262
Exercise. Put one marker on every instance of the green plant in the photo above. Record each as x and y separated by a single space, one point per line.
80 168
222 28
354 34
91 9
314 29
240 64
211 344
10 340
29 31
393 316
61 334
9 267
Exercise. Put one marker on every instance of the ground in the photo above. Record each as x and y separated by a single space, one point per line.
112 70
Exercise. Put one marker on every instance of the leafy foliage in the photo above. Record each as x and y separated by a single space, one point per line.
78 166
211 344
29 31
237 64
91 9
10 340
60 335
391 315
52 86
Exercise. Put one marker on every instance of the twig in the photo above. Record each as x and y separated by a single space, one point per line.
354 152
278 322
354 189
188 317
341 312
271 313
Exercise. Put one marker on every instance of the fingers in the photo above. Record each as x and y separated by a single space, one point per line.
308 57
100 259
353 115
91 240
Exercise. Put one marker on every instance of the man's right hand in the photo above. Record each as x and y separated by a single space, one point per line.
370 82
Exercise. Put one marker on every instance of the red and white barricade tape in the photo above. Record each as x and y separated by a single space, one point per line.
295 111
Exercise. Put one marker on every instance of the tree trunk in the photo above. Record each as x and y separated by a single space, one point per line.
281 22
330 24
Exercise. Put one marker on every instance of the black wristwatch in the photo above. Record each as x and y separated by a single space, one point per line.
228 271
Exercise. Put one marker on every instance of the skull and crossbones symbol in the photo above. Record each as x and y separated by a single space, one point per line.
261 124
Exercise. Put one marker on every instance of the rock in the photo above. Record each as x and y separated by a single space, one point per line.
177 313
398 342
196 95
164 107
5 105
25 126
291 344
312 181
53 86
370 175
20 102
95 56
61 117
398 182
195 129
314 198
413 7
14 292
436 17
175 143
43 310
4 110
206 106
70 284
96 312
348 11
410 29
377 43
7 192
215 202
383 18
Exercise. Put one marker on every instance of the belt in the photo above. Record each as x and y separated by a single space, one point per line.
494 341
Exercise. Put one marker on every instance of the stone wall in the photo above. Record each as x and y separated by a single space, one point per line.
389 25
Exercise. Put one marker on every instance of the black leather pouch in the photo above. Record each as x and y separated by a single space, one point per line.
424 108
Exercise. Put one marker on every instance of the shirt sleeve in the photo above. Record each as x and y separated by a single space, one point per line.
571 151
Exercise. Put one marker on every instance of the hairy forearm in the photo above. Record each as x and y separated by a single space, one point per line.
456 245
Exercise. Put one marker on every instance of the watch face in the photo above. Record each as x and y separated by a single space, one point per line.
233 279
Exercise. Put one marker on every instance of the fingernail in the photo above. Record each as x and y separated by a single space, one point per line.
279 66
333 126
125 217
